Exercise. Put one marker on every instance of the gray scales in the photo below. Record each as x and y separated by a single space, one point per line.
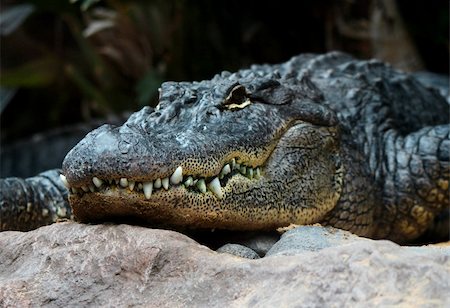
323 139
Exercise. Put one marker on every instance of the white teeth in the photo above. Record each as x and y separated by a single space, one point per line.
123 182
257 173
64 180
165 183
97 182
215 187
250 173
148 188
226 169
177 176
157 183
189 181
201 185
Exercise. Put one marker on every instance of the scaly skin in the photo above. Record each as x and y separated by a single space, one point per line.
27 204
353 144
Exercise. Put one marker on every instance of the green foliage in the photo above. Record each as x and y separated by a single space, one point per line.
36 73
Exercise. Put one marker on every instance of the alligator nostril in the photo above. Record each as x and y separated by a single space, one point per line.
124 146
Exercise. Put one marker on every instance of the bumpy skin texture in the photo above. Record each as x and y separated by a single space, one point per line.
26 204
353 144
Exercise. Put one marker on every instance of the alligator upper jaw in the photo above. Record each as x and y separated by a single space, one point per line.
112 157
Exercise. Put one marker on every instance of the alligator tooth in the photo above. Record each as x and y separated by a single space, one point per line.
91 188
177 176
116 181
233 163
85 188
165 183
140 186
61 212
74 190
157 183
250 173
148 188
225 170
201 185
215 187
189 181
131 185
97 182
64 180
237 166
257 173
123 182
243 170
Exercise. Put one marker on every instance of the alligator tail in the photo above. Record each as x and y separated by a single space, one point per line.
26 204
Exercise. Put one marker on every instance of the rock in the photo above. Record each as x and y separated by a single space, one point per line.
310 238
238 250
261 243
70 264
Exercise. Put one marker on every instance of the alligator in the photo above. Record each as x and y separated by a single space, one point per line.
322 139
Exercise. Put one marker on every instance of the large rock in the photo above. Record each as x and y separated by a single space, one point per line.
70 264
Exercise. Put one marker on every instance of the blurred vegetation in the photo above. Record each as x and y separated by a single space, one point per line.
69 61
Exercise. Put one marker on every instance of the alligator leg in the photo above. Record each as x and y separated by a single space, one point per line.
26 204
417 171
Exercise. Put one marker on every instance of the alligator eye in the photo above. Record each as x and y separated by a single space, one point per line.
237 99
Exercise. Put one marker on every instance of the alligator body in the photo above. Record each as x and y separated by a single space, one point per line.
320 138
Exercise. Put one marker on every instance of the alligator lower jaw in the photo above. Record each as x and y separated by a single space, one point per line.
166 212
191 184
179 207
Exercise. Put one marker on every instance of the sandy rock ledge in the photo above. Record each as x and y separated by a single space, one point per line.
70 264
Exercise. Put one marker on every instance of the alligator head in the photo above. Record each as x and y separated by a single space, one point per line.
257 149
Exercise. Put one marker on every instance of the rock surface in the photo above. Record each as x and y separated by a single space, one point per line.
70 264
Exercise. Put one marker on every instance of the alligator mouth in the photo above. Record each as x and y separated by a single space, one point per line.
192 183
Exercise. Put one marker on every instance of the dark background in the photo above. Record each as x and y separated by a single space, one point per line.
55 73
